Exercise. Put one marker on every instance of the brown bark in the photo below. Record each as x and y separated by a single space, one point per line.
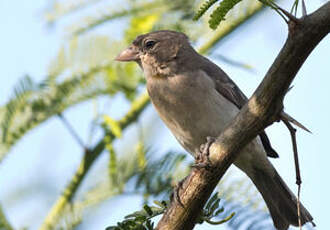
262 109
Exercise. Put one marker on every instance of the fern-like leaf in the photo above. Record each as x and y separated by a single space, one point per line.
206 5
24 88
221 11
157 178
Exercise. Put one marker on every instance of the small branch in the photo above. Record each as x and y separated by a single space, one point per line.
72 131
298 209
294 7
263 108
293 131
69 191
303 8
289 15
278 9
287 117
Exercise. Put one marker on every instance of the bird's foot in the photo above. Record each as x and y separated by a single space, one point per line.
202 159
176 192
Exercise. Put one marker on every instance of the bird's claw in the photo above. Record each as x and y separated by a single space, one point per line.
202 159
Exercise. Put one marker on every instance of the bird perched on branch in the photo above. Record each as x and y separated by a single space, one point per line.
196 99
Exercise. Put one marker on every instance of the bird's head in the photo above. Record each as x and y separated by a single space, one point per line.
157 52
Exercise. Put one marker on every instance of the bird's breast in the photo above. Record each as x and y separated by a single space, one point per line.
191 107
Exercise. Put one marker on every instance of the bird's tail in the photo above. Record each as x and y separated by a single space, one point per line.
281 202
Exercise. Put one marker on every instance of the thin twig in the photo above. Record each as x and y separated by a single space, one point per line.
303 8
72 131
275 7
294 121
282 16
290 16
294 7
298 208
296 162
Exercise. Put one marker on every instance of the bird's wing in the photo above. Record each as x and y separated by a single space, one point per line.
228 89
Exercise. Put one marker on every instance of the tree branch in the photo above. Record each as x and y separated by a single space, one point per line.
263 108
293 131
91 155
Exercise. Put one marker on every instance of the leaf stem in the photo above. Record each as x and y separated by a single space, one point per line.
220 221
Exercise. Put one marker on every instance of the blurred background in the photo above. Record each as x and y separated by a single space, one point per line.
81 147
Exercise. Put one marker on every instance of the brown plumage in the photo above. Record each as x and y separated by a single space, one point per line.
196 99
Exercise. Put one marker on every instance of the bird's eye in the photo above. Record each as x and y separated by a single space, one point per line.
150 44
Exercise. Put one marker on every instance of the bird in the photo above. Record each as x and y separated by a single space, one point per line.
196 99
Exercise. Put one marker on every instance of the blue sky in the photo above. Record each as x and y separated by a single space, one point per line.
47 153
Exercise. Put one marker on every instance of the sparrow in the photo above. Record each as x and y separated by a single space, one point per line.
196 99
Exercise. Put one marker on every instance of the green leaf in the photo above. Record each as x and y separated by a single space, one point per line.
161 204
206 5
214 206
220 12
211 200
220 210
148 210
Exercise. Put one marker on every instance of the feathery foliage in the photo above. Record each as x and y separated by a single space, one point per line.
60 9
101 191
34 103
204 7
221 11
159 177
141 220
127 170
83 70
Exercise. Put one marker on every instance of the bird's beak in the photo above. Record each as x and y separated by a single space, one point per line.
129 54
